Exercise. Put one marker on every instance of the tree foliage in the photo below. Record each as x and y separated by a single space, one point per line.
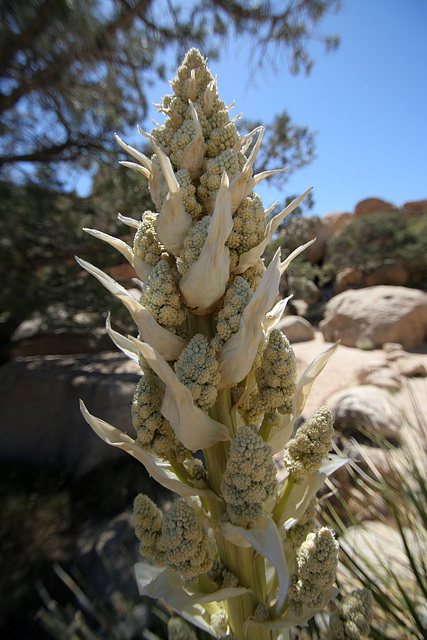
285 145
42 232
74 71
370 242
296 230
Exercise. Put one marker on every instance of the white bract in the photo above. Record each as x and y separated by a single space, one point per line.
218 377
205 282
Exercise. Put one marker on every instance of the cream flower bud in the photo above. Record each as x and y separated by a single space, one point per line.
186 541
249 258
147 250
206 280
240 185
310 445
249 480
192 426
173 222
317 560
351 620
238 354
147 521
192 158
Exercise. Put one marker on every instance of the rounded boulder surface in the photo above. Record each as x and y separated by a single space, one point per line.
373 205
39 403
366 408
296 329
370 317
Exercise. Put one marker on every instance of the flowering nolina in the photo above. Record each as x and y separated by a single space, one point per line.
239 553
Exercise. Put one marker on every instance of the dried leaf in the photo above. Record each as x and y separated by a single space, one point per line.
160 470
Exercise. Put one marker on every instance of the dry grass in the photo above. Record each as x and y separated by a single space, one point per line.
392 562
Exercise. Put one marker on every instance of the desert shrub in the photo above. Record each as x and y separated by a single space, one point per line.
369 242
294 232
415 252
301 273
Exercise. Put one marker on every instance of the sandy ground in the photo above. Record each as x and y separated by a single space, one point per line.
342 371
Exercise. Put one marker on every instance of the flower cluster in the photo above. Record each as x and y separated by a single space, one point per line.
352 617
238 553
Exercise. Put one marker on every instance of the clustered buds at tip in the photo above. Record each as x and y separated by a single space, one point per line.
249 480
192 426
186 541
237 355
311 444
317 560
148 520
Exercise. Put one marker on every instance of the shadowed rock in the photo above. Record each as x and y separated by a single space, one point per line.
39 404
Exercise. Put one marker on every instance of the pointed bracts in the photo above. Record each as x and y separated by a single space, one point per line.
205 282
238 354
167 343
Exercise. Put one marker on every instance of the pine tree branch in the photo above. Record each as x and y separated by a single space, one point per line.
49 153
15 41
99 41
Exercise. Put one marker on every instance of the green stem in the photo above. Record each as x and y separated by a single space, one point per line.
216 460
265 428
225 412
243 562
201 324
179 468
288 485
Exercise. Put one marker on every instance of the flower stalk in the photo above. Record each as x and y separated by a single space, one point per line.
218 379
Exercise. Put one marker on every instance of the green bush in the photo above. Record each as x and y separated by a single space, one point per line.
370 242
296 231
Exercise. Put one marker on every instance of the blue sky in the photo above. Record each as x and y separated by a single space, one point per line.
367 101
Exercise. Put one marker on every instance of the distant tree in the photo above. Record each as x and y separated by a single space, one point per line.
41 234
369 242
415 252
295 230
285 144
74 71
